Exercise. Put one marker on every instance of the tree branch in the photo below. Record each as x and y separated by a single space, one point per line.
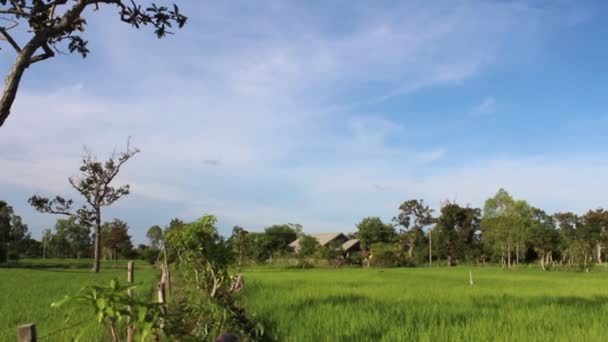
48 53
10 39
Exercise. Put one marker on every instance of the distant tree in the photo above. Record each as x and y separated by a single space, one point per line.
596 222
155 235
71 238
504 225
308 246
278 238
116 239
50 24
95 186
413 216
240 242
14 234
47 235
457 226
175 224
372 230
566 224
543 238
297 228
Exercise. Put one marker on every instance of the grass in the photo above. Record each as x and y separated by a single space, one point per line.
428 304
27 291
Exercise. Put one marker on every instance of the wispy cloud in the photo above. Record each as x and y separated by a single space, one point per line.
262 113
487 106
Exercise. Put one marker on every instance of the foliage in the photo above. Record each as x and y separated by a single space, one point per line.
372 230
384 255
15 238
457 227
203 256
116 310
155 235
206 307
55 24
71 239
414 216
278 238
308 246
116 240
95 186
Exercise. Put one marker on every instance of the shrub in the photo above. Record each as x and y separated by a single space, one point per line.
384 255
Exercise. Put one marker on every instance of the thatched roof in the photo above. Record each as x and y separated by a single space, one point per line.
349 244
323 239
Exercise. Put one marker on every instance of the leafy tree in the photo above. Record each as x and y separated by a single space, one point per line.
70 239
308 246
504 225
155 235
116 239
413 217
372 230
203 256
241 243
543 238
278 238
567 223
14 234
457 227
596 222
52 24
95 185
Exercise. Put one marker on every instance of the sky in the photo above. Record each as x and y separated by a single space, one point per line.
278 112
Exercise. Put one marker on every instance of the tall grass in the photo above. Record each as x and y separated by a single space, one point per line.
430 304
26 295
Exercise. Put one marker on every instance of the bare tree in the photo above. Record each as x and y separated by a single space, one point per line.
94 184
52 23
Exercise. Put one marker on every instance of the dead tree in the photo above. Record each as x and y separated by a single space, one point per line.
94 185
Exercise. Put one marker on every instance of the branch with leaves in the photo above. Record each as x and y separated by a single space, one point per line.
53 22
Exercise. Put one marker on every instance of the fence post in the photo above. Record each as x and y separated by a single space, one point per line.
26 333
130 279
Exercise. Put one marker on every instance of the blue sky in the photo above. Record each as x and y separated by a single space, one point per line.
276 112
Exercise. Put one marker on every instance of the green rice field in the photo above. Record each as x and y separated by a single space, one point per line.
28 289
429 304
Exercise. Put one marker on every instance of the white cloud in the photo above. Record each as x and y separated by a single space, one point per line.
279 98
488 105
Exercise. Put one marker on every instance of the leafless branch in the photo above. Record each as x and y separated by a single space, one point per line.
10 39
48 53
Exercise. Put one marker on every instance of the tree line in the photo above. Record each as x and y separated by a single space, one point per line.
506 231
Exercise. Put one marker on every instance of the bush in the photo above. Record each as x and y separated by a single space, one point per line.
384 255
355 258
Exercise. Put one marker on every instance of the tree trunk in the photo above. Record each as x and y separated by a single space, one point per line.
542 261
449 261
599 253
508 254
11 84
410 251
517 253
97 249
430 248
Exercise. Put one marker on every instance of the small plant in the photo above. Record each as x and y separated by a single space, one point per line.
116 310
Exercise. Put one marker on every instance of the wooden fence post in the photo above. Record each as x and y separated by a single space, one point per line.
26 333
130 279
